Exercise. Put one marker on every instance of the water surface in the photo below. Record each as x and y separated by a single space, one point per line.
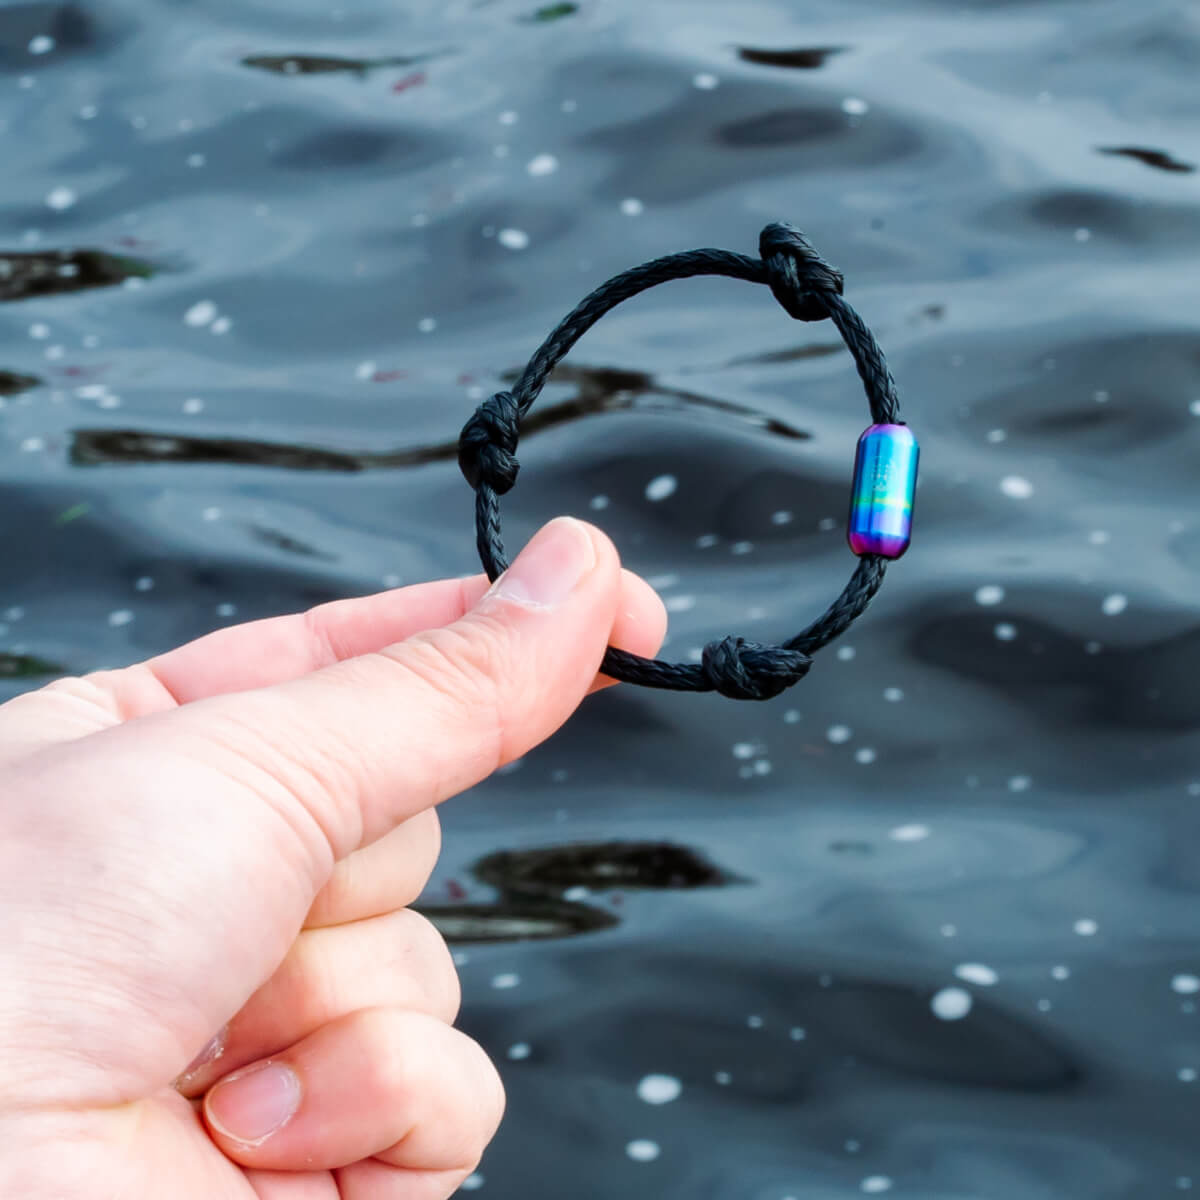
928 924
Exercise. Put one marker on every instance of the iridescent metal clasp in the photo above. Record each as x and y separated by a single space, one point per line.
885 482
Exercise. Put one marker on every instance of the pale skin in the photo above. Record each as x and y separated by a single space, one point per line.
211 984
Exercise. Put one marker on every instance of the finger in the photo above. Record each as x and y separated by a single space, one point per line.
274 650
401 1087
398 960
255 654
260 653
350 751
382 877
373 1180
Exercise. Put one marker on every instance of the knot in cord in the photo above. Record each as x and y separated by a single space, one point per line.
743 670
488 442
798 275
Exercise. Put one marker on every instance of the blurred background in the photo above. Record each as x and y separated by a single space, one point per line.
926 925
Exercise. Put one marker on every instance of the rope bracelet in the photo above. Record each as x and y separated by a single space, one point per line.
885 470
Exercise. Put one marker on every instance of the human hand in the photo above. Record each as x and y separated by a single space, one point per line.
215 849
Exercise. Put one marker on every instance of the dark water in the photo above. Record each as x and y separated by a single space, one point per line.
993 786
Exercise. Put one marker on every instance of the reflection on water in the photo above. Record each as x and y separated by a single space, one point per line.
927 925
48 273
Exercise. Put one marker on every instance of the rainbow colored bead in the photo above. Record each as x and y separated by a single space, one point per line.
885 481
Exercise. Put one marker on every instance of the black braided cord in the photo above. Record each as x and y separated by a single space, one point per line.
808 289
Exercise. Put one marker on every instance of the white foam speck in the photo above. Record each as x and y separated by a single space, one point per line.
839 734
1114 605
659 1089
1004 632
226 610
508 979
893 695
365 371
508 117
1083 234
845 653
977 973
742 547
996 435
143 584
211 513
1020 783
31 445
1194 408
1060 972
988 595
202 313
631 206
705 81
754 1021
519 1051
909 833
661 486
643 1150
678 604
1187 1074
513 239
426 325
472 1183
854 106
951 1004
122 616
542 164
1099 537
192 405
782 517
706 541
745 750
1086 927
875 1184
196 160
597 503
39 330
1016 487
948 930
1185 985
865 755
42 44
577 893
60 199
221 325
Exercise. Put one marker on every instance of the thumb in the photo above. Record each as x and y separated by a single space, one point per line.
353 749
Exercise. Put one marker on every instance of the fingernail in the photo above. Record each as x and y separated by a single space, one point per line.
251 1105
213 1049
548 569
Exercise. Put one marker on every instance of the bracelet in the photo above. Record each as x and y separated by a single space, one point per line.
885 469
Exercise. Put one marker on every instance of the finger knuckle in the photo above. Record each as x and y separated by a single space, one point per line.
435 965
